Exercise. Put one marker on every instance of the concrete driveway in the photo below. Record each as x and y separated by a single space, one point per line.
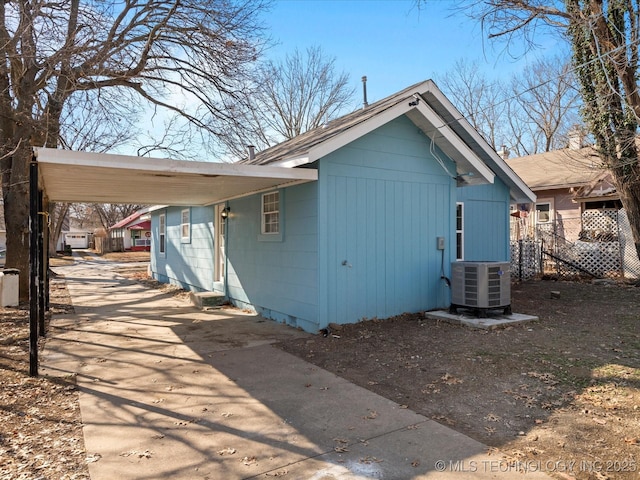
171 392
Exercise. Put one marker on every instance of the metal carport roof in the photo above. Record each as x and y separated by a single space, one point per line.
70 176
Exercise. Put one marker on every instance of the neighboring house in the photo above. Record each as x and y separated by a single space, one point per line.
577 218
73 235
135 231
405 187
567 184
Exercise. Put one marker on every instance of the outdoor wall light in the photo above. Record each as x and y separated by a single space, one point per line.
225 212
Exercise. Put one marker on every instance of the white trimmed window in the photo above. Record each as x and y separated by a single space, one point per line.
543 212
162 230
271 213
185 225
459 231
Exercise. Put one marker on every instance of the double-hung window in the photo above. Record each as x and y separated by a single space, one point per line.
271 213
185 226
459 231
162 233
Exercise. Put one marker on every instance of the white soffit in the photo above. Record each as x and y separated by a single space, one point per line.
69 176
520 191
468 164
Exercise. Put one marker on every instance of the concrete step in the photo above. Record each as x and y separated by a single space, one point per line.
207 299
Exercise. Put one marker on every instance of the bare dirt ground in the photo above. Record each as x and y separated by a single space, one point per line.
560 395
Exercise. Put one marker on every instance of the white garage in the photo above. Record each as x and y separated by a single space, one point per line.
77 239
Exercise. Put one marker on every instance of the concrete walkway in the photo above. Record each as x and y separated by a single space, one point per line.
171 392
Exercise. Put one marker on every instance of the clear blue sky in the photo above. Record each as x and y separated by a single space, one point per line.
390 41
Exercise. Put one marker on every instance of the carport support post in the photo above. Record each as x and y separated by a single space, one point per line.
44 253
34 300
41 266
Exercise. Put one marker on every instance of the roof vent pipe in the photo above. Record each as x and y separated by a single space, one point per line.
252 152
364 92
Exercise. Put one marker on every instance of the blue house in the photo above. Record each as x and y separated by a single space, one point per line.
404 187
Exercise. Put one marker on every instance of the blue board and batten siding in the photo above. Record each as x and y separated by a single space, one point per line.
486 222
383 201
361 242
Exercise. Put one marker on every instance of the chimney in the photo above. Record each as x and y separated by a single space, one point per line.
576 138
503 152
252 152
364 92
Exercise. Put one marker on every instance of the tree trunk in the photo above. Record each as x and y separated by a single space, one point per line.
57 214
629 192
16 216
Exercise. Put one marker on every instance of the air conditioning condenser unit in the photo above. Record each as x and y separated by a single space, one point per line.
481 286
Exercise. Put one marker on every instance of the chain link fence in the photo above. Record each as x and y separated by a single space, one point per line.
598 244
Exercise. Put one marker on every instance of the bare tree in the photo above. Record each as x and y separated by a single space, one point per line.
57 217
110 214
84 215
91 121
530 112
158 51
173 140
287 98
482 101
605 38
548 97
99 120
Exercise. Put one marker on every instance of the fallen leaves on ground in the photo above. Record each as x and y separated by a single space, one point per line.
41 428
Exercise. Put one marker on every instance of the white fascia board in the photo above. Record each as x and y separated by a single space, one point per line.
163 165
155 208
291 162
390 114
355 132
464 149
508 171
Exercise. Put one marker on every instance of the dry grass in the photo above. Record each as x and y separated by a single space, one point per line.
61 260
124 257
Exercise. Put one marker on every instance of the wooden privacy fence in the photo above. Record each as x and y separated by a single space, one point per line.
107 244
598 244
